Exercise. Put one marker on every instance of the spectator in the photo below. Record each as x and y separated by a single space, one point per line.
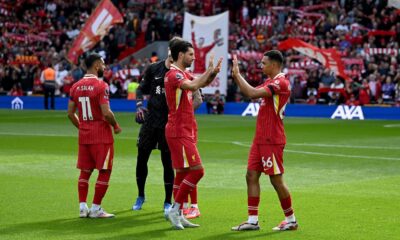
48 79
327 79
16 90
364 94
216 103
298 88
388 90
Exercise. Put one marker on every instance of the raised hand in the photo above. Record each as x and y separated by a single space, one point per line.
211 61
235 66
217 69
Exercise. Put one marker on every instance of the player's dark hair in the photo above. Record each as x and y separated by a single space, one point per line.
173 40
91 59
179 46
275 55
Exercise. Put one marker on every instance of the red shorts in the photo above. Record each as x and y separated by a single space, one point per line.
99 156
267 158
184 152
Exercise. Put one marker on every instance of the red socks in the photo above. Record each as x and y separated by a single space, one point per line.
83 185
189 183
287 206
193 196
252 205
101 186
177 182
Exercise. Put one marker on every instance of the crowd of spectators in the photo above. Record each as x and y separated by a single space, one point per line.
34 33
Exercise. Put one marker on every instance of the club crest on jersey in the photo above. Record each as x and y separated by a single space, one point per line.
179 76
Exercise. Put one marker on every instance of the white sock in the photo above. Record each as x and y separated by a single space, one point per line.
290 218
194 206
175 207
185 205
253 219
82 205
95 207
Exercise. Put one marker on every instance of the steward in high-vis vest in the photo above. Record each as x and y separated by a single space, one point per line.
48 78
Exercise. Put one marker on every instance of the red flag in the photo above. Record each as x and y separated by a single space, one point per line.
330 58
96 27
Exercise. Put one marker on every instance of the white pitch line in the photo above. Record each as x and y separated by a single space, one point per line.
341 146
51 135
247 145
391 125
342 155
327 154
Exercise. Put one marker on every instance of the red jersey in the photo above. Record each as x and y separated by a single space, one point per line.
88 94
269 129
181 120
200 55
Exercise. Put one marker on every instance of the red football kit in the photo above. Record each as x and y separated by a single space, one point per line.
96 148
266 153
181 128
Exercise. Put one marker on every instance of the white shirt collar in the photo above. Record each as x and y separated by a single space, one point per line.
174 66
279 75
89 76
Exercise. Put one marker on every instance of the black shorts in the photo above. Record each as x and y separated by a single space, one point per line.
152 138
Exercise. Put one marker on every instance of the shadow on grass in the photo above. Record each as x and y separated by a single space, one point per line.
242 235
104 228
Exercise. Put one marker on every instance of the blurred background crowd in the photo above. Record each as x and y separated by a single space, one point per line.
36 33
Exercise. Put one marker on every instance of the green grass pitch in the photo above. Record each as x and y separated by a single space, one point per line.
344 177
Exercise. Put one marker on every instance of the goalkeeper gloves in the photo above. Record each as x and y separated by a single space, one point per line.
140 112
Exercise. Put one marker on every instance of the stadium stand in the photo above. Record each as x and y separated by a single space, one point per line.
365 32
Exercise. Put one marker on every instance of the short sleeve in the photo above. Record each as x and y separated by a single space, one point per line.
174 79
276 86
104 94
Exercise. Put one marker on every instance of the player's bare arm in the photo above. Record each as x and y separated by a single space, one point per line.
244 86
72 114
110 118
205 78
197 99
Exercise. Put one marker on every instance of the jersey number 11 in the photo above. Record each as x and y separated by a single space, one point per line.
86 108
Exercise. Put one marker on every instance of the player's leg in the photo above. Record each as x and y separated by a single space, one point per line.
275 173
86 165
168 170
194 211
145 143
286 203
254 169
83 188
141 175
100 191
185 207
168 179
189 157
103 155
190 181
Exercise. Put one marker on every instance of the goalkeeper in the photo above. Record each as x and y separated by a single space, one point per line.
152 131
